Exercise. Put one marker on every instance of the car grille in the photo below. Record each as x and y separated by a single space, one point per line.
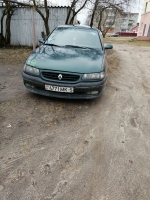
65 77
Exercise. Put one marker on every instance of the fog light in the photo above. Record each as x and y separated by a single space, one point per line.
92 92
29 85
32 86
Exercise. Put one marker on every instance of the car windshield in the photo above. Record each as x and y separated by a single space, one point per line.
74 36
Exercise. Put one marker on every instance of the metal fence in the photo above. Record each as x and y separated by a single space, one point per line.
22 26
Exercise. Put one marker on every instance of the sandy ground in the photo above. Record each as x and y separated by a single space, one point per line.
55 149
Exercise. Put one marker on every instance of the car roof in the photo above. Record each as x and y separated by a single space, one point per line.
77 25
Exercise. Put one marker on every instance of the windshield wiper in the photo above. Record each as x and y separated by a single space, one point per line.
82 47
75 46
55 45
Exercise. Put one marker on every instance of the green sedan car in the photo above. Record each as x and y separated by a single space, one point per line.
70 63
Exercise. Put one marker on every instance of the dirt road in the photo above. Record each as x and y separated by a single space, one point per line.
54 149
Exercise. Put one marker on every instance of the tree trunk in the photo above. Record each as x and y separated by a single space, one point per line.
94 10
9 10
103 34
68 16
72 18
70 9
45 18
76 12
2 39
8 32
100 20
2 18
46 27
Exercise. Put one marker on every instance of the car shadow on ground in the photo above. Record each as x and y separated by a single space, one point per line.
75 102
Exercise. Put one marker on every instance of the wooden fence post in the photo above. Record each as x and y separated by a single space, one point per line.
33 28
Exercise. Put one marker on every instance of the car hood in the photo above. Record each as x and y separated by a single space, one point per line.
66 59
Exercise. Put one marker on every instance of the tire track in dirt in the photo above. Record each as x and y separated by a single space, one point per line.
86 150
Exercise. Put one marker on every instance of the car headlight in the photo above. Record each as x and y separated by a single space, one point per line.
31 70
94 76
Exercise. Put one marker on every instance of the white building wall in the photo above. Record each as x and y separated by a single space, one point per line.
22 28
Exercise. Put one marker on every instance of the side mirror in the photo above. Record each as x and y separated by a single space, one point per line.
109 46
41 40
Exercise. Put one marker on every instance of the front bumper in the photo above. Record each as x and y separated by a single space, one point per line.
82 90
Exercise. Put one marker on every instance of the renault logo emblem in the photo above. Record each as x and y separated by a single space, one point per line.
59 76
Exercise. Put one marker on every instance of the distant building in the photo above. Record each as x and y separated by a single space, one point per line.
109 17
135 29
144 27
126 21
122 21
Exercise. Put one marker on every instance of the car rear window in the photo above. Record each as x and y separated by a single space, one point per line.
75 36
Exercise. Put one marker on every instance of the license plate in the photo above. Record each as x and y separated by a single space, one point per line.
59 89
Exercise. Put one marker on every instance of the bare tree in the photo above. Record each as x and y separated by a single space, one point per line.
75 8
9 9
102 8
106 17
8 12
44 17
72 8
2 38
94 10
2 19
